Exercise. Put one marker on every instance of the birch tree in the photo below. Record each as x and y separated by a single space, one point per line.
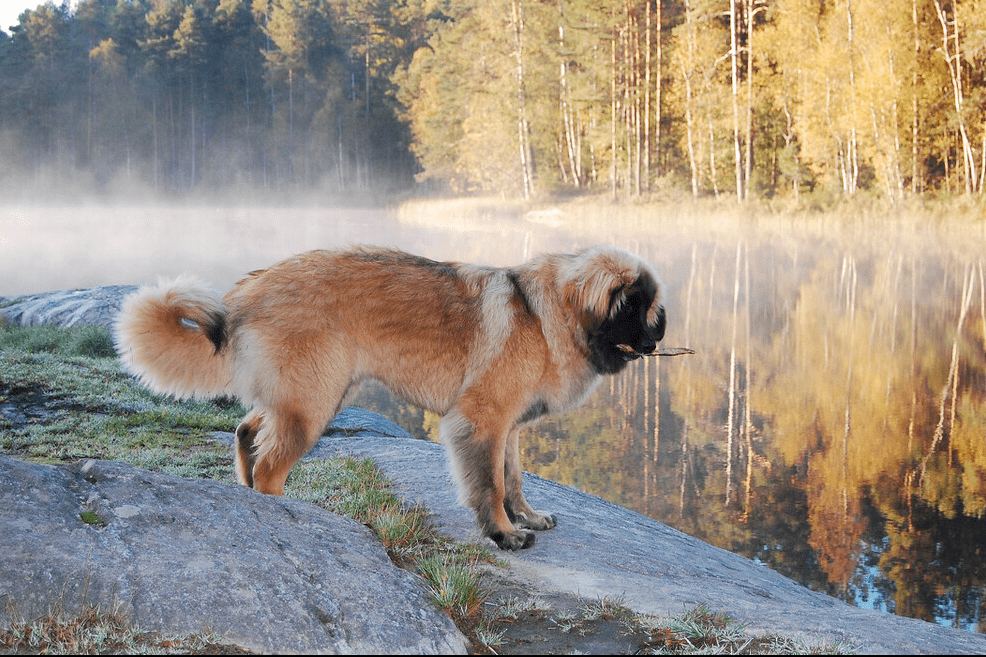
523 127
952 49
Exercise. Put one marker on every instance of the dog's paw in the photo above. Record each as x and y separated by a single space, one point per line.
513 540
537 520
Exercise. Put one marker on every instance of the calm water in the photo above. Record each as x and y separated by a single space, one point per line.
831 425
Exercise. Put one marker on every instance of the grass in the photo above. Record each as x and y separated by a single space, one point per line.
73 401
702 631
94 632
694 631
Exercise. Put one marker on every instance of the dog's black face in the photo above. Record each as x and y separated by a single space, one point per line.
632 329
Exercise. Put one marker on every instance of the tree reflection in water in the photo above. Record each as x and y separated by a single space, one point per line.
831 425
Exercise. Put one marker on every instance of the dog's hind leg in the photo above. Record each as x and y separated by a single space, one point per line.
514 502
246 449
285 435
298 393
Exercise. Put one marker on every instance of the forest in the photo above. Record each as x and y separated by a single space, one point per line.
741 99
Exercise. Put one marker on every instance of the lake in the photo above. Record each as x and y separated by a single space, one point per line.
831 424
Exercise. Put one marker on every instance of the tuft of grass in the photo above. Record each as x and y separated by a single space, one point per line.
605 608
454 585
92 632
491 639
356 488
511 607
702 631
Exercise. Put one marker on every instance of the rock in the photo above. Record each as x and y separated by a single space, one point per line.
358 423
176 555
601 550
97 306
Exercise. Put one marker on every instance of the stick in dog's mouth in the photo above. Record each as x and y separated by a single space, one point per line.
662 351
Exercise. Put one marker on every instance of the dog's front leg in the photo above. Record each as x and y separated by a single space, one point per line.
515 504
477 457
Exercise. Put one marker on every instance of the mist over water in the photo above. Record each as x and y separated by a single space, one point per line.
44 249
53 248
831 425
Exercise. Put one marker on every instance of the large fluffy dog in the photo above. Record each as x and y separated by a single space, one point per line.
490 349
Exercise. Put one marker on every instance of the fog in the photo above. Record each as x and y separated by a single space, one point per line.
53 248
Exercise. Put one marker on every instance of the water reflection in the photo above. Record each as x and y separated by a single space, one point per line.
831 425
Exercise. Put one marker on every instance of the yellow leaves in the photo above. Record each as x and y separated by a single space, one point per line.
107 58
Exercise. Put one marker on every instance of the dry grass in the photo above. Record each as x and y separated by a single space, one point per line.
93 632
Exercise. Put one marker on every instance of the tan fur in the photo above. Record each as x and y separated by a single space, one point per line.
490 349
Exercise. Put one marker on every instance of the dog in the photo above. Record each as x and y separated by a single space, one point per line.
490 349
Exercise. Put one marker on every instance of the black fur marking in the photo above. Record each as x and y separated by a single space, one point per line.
534 411
214 329
244 439
519 292
511 516
390 257
503 541
216 332
626 326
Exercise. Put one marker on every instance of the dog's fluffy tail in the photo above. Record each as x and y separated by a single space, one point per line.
173 337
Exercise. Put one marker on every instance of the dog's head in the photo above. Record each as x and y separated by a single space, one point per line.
617 297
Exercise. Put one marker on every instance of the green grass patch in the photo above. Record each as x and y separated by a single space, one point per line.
86 341
66 398
453 584
357 489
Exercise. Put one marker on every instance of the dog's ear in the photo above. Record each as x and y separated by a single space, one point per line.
650 291
594 282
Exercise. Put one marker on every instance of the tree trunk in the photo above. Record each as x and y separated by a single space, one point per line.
953 60
647 94
658 82
572 147
852 154
734 80
749 11
612 118
517 22
915 120
686 76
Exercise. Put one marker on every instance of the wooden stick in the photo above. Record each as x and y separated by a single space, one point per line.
671 351
663 351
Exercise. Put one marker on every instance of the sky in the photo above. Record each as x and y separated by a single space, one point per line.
11 9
